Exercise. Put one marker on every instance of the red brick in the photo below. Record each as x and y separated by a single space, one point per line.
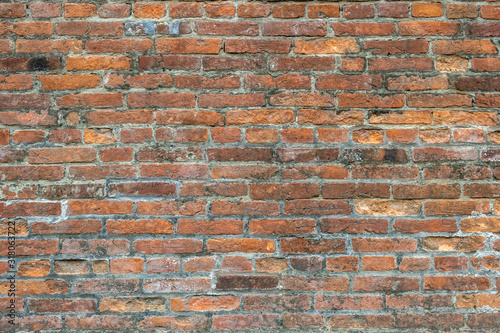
185 10
154 226
27 137
326 46
4 137
155 99
222 303
467 46
276 303
363 29
352 64
486 64
401 135
201 264
455 11
98 322
186 117
358 11
201 82
459 244
210 227
385 284
266 116
418 226
311 246
456 283
306 264
329 302
253 10
226 28
243 172
175 323
411 264
246 282
480 224
236 263
483 320
149 10
286 81
370 100
379 263
348 82
430 321
393 10
458 172
354 226
323 11
294 29
114 11
76 191
383 245
220 10
490 12
81 28
12 10
429 28
271 264
302 63
256 46
413 83
456 207
450 263
118 45
87 226
489 29
289 11
225 135
62 305
363 321
169 62
168 265
319 283
237 322
371 136
49 46
97 63
306 99
342 264
398 46
230 100
283 191
400 64
163 246
487 101
6 47
468 301
431 9
188 46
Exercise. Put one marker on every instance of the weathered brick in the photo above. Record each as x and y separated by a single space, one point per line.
460 244
375 321
428 28
253 10
320 283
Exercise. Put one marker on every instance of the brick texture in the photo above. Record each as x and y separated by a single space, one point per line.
264 166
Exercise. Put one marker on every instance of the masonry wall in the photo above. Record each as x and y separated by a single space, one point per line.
263 166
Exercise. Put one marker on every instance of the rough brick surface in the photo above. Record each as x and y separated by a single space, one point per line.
263 166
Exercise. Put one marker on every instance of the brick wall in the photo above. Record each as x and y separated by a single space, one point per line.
271 166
